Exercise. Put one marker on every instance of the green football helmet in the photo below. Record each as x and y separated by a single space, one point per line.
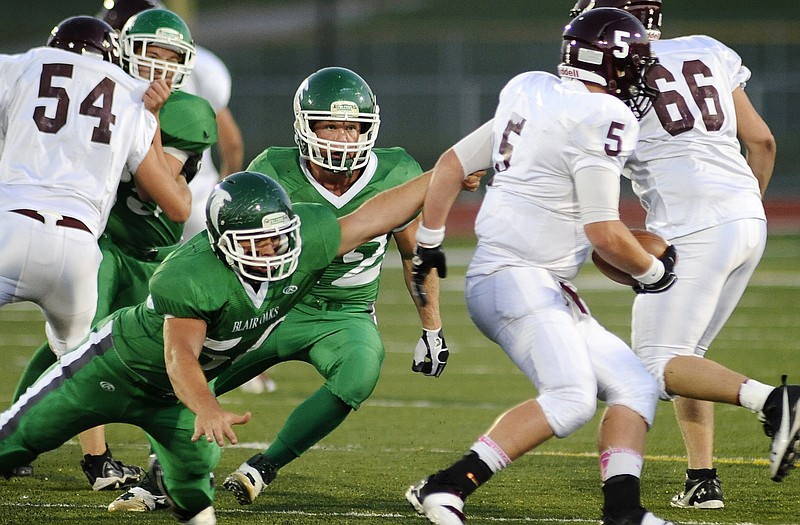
244 209
338 94
159 28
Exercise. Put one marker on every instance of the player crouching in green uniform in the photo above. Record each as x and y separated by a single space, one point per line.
209 303
138 236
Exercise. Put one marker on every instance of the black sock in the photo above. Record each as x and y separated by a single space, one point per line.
701 473
468 473
622 495
104 456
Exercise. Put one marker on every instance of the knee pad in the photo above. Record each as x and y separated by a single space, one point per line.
639 393
568 409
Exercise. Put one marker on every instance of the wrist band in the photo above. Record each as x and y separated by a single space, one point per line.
653 274
428 238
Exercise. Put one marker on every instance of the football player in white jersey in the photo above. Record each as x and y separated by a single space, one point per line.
558 147
70 116
704 197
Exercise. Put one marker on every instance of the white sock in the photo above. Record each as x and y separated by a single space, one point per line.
753 394
491 454
618 461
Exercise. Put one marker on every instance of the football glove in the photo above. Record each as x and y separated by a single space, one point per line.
431 353
425 259
668 258
192 166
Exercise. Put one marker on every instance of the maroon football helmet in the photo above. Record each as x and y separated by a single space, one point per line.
86 35
647 11
116 12
609 48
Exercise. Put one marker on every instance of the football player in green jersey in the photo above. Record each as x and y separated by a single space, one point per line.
334 164
334 326
209 303
138 236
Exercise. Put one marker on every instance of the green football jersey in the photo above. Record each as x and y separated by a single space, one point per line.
355 277
187 123
193 283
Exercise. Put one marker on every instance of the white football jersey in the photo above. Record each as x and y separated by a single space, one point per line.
545 129
68 125
687 169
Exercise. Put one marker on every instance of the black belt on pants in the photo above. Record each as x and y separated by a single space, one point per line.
67 222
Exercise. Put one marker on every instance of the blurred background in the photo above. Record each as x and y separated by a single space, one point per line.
437 66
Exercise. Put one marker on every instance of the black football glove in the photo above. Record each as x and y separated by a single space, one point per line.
425 259
669 258
431 353
192 166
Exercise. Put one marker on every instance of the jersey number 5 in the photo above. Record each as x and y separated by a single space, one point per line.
103 91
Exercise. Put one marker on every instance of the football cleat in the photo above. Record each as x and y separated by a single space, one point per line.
249 480
441 503
639 516
700 494
106 473
204 517
25 471
781 423
144 497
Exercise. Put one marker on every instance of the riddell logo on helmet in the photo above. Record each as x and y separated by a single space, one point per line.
568 72
344 108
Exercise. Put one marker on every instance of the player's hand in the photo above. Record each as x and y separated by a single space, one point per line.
431 353
669 258
156 95
473 181
424 260
215 425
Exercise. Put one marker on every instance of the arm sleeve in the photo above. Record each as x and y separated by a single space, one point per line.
597 188
474 151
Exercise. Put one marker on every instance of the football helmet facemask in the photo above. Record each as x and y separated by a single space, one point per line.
244 210
647 11
158 28
116 12
335 94
86 35
609 47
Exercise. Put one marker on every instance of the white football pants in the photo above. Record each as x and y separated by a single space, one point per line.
54 267
714 266
547 331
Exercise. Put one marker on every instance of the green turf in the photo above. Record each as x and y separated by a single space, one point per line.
414 425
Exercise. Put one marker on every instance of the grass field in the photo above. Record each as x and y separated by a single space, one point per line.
414 425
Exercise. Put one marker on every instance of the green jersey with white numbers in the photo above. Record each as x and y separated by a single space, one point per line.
194 283
188 124
354 278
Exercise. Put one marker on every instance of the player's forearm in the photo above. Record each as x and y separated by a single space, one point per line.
446 181
429 315
188 381
761 159
383 212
